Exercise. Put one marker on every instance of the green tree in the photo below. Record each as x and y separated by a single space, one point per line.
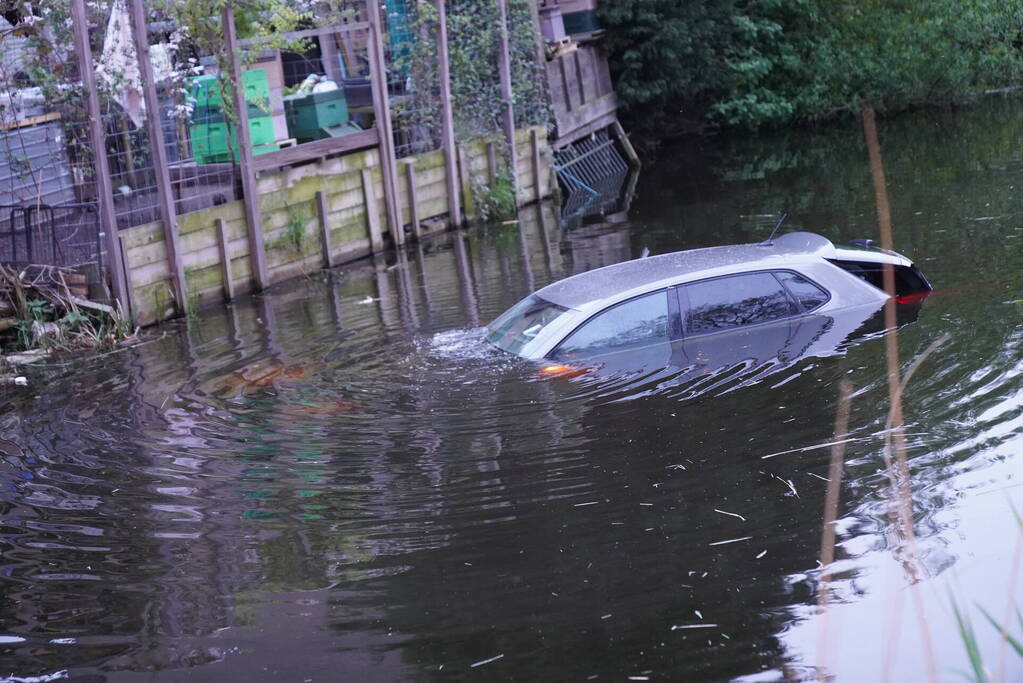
773 62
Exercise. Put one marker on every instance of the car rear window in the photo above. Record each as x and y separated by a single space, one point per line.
729 302
521 323
806 293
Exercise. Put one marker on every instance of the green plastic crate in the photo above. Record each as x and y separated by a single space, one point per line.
209 140
206 90
308 115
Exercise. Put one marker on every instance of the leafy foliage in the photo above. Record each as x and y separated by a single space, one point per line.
769 62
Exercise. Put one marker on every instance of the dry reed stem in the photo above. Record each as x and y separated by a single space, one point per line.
899 474
845 389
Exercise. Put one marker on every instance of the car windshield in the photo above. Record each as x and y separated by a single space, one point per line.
521 323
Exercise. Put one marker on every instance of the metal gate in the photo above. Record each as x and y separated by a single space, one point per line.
592 173
65 235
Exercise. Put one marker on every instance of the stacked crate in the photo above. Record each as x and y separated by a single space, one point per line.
209 129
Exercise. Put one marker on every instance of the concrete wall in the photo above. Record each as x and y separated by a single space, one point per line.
292 222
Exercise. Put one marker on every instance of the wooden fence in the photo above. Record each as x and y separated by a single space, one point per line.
316 215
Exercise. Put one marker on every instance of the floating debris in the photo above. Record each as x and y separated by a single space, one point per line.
731 540
730 514
683 627
486 661
760 554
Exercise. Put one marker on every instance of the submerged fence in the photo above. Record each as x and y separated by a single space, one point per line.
99 141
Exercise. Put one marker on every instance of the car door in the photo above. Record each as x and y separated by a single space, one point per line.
738 319
631 335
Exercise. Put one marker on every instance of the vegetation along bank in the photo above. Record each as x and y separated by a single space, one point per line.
684 67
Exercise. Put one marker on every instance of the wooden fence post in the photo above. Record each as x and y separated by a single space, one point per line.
225 259
369 198
447 120
164 192
97 139
257 248
508 115
382 112
491 163
534 140
465 176
413 197
322 210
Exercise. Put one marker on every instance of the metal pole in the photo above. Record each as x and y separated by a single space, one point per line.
164 192
447 120
382 110
97 138
508 115
257 250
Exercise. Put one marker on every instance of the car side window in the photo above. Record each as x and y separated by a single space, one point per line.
635 323
807 293
729 302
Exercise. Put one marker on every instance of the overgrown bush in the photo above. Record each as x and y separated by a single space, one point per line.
773 62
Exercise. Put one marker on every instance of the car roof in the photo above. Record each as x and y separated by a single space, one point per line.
602 283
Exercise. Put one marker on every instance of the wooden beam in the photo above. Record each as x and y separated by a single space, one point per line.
225 259
97 138
257 249
307 33
31 121
534 142
413 197
623 139
508 113
323 213
465 180
369 198
316 150
447 119
382 112
158 152
491 164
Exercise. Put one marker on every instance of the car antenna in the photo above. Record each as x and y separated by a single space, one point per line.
770 240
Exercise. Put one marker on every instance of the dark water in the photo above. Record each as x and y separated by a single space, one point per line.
340 481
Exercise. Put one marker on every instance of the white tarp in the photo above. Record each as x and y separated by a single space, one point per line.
119 68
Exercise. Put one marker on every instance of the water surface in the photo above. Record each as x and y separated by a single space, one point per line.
340 480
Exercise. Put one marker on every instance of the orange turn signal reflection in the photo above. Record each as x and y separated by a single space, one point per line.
555 369
561 371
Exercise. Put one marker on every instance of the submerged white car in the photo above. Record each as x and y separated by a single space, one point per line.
689 306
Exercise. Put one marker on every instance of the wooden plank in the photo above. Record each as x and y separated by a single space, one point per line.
307 33
158 151
97 138
382 111
465 180
491 163
31 121
534 139
257 252
323 213
447 119
413 198
580 75
225 259
629 150
376 238
316 149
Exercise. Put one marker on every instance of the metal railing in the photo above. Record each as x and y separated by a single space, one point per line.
66 235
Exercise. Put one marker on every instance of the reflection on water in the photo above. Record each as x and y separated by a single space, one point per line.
341 476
